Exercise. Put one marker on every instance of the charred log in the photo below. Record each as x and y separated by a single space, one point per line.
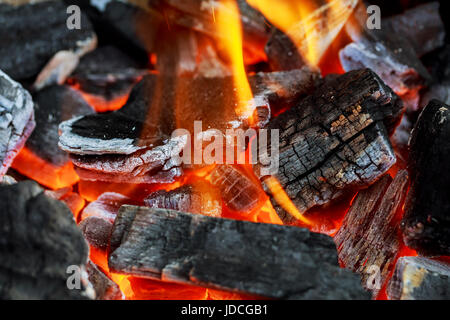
282 53
334 142
263 259
426 224
39 241
418 278
16 120
369 239
28 44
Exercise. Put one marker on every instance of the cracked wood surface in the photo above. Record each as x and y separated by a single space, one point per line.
334 141
262 259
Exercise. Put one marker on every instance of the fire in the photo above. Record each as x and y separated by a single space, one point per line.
312 29
228 25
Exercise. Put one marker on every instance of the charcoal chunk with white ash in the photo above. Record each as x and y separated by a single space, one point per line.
39 243
33 33
268 260
333 142
105 288
16 120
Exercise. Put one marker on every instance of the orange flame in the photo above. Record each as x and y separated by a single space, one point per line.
311 28
229 27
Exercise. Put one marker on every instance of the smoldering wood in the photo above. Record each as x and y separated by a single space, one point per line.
29 43
426 221
334 141
140 149
52 106
16 120
39 240
106 206
419 278
238 191
422 26
107 72
263 259
369 239
105 288
184 199
282 53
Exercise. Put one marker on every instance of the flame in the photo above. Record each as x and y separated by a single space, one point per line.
311 28
229 27
283 199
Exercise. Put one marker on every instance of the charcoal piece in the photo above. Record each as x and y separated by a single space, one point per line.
439 64
282 54
54 105
106 206
422 26
333 142
106 73
193 198
426 221
369 239
418 278
391 57
8 180
239 192
96 231
262 259
16 120
133 144
28 44
105 288
39 243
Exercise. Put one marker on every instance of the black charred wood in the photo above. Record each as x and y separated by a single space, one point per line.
16 120
369 239
97 232
419 278
335 141
426 223
185 199
39 241
32 34
262 259
422 26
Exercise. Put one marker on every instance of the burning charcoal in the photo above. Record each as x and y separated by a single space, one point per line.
105 288
390 56
72 199
418 278
239 192
106 206
282 54
262 259
123 146
368 241
39 243
97 231
8 180
41 158
422 26
28 44
426 221
333 142
16 120
105 77
197 198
